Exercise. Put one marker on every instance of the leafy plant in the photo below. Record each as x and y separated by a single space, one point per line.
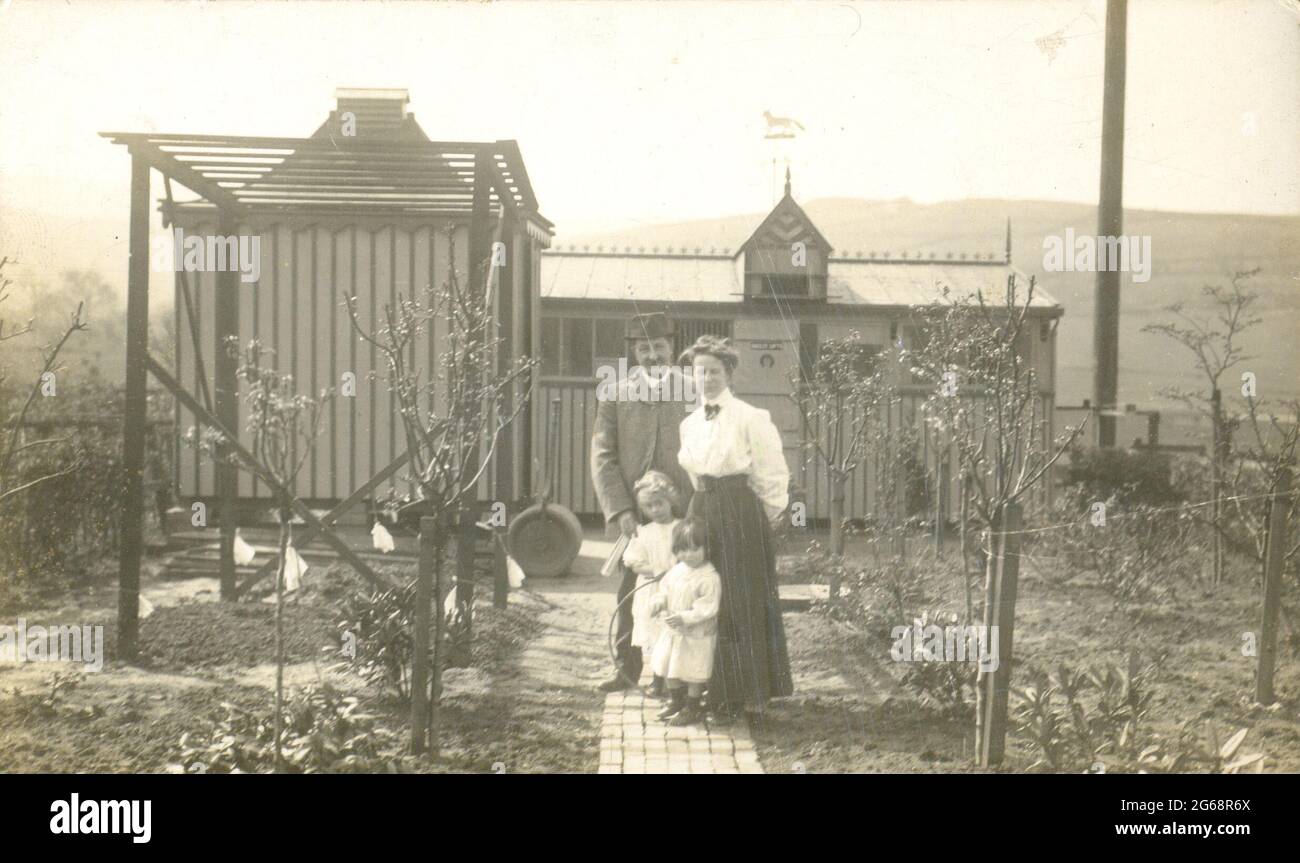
382 623
1072 718
1095 721
324 731
1141 554
947 684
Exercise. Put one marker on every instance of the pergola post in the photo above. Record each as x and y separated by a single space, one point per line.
480 253
134 412
226 404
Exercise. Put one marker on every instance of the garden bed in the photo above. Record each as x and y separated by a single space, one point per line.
850 712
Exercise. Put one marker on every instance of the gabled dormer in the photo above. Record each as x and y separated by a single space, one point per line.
786 256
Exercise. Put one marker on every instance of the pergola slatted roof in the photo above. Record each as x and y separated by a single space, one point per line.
260 175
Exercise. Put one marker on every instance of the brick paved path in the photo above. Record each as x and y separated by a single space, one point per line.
632 740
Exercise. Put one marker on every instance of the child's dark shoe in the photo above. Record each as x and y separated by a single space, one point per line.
676 703
656 689
691 714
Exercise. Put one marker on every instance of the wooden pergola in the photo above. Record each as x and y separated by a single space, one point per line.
245 178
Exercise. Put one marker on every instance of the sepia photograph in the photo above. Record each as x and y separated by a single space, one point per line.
644 387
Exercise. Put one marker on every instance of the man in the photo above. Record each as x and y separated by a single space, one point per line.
637 430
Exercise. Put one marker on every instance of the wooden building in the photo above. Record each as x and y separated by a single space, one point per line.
774 310
330 227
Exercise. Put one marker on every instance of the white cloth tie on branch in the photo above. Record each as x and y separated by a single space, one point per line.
294 569
244 553
382 538
515 573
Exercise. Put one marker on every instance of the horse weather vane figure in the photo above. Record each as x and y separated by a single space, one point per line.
781 127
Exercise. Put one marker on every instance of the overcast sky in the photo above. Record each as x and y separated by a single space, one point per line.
634 113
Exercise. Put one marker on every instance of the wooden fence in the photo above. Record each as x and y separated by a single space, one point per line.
863 498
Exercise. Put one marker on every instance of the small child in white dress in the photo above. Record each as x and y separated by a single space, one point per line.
689 597
650 554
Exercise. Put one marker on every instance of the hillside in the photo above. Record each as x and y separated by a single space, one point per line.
1189 250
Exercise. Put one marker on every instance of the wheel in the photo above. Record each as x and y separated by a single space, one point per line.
545 541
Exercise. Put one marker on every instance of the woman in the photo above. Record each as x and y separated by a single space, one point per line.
733 455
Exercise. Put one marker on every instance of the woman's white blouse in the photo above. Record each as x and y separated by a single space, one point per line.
739 439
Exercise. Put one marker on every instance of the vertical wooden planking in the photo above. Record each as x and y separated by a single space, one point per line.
441 263
381 268
421 269
395 269
294 322
329 296
364 456
402 252
264 306
245 329
322 356
347 270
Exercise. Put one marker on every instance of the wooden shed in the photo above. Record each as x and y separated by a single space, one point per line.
375 214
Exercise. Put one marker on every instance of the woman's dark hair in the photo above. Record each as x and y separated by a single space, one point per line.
713 346
690 533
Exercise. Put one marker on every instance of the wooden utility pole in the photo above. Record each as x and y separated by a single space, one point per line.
1110 223
134 412
1275 555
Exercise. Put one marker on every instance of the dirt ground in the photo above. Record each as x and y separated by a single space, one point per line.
527 701
849 713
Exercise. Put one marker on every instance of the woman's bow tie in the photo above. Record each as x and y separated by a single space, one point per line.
711 411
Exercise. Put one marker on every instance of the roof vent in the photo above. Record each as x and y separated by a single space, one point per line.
368 113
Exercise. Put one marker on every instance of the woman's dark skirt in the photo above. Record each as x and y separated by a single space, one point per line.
752 663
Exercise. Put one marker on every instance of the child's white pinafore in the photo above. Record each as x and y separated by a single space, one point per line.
651 548
686 654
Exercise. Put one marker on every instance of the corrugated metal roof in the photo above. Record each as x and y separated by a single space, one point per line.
677 278
717 279
870 283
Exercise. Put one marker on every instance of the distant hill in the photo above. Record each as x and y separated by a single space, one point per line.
1189 250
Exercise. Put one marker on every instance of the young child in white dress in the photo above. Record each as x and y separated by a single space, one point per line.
650 554
689 597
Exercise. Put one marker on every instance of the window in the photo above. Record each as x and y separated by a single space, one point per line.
550 346
567 347
690 330
771 272
577 348
776 285
866 362
610 340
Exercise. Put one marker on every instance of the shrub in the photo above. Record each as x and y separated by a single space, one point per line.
1129 477
61 526
1140 554
382 621
325 731
948 685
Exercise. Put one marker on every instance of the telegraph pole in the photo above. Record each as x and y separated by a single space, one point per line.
1110 223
